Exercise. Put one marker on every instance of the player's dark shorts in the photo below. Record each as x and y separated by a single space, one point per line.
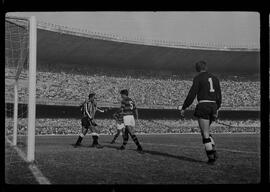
206 111
86 123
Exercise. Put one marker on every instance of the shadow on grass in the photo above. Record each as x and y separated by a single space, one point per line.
182 158
158 153
90 146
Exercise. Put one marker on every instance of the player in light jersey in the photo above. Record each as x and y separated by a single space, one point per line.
206 87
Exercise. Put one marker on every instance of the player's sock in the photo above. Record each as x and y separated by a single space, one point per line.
115 137
95 139
79 140
126 137
97 145
136 141
209 148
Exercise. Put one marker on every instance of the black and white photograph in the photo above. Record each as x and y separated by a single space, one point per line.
129 97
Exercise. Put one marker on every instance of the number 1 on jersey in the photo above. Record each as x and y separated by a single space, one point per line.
211 85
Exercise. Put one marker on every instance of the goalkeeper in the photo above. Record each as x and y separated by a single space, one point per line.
88 109
118 116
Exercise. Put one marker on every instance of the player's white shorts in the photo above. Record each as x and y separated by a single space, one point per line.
120 126
129 120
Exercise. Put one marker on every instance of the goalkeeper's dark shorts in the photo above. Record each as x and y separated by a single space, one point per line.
206 111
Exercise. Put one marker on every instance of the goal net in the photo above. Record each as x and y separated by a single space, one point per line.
20 80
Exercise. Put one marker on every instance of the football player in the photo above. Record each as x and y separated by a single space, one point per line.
118 116
206 87
88 109
129 109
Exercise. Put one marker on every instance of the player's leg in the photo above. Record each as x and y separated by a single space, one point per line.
210 136
125 138
123 133
95 136
213 118
213 146
83 133
115 136
129 123
134 137
204 126
119 129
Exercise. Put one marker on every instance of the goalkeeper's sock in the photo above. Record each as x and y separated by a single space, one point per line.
79 140
209 148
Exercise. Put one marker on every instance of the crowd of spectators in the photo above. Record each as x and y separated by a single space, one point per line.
145 91
107 126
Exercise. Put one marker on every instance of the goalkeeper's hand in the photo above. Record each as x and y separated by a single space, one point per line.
182 112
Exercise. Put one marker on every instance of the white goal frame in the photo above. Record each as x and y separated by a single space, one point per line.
30 156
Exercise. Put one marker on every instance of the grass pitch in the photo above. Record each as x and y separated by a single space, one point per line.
167 159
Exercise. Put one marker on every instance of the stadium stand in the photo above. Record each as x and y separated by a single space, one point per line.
72 126
146 92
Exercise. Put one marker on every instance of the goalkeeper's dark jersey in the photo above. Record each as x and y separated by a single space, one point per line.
206 87
128 106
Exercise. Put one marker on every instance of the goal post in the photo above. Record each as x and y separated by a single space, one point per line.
15 113
20 82
32 90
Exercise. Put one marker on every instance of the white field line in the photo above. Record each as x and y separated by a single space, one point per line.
41 179
218 149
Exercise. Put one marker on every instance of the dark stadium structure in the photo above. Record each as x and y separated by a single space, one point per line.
68 46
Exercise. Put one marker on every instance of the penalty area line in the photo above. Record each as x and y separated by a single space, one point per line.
40 178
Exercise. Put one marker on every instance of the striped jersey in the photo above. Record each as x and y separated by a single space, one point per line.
90 108
128 106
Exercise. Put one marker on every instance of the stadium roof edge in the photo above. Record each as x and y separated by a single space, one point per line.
112 37
16 17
